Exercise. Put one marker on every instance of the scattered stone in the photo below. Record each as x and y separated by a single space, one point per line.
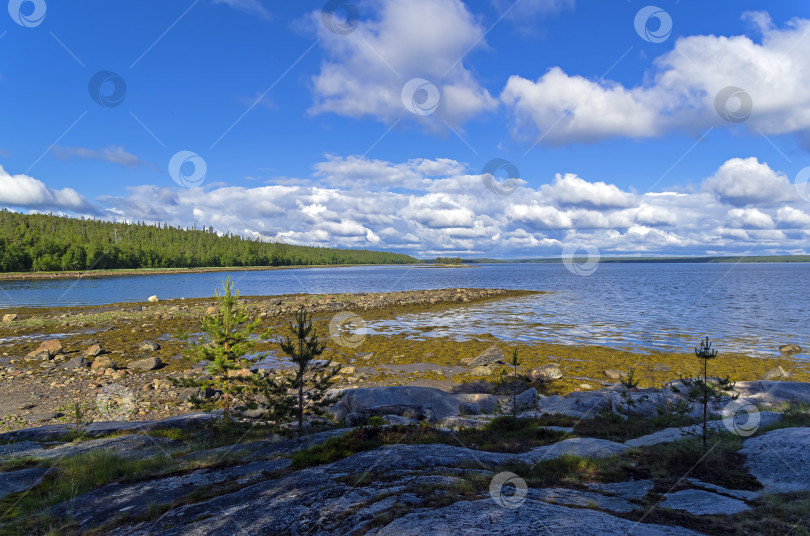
585 386
161 384
698 502
94 351
780 459
43 417
103 362
241 373
491 355
613 374
78 362
212 310
150 363
365 356
785 348
47 350
153 299
348 371
546 373
8 318
481 371
149 346
775 373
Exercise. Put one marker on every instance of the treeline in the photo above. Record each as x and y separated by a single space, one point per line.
40 242
448 260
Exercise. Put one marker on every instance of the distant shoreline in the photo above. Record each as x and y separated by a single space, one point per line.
82 274
468 263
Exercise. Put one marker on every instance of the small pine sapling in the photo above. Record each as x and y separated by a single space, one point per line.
312 377
702 389
515 363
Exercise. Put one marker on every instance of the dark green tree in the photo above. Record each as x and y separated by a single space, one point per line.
312 378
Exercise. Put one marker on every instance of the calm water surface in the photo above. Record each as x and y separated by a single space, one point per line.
745 307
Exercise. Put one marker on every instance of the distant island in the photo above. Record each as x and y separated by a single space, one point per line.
47 243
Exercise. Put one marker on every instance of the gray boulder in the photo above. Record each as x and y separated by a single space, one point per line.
149 346
150 363
526 400
440 403
78 362
546 373
772 393
780 459
491 355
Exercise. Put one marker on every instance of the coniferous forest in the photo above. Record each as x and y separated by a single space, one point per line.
40 242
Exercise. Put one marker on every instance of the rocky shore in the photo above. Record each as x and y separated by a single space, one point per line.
432 469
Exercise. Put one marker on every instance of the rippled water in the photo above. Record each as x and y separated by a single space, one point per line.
747 307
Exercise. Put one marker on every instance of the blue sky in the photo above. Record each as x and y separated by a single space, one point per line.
301 131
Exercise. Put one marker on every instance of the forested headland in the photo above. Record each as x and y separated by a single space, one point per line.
41 242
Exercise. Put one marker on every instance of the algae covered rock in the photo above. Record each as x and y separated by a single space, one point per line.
150 363
490 356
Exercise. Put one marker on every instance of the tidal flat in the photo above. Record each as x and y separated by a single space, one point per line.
42 391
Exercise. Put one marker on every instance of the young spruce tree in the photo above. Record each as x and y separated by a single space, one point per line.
311 378
227 339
